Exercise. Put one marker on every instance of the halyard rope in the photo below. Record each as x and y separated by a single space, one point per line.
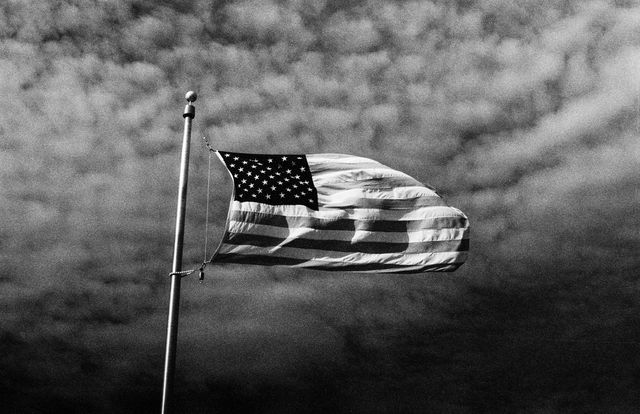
184 273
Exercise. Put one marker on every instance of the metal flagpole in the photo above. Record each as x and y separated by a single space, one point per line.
174 298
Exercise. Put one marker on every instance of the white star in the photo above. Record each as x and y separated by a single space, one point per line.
249 173
251 185
259 190
264 182
280 182
235 175
281 195
244 181
235 158
240 169
270 160
253 195
262 171
286 179
297 177
226 155
288 189
244 162
284 158
273 188
254 166
302 169
288 171
268 196
232 165
296 196
272 177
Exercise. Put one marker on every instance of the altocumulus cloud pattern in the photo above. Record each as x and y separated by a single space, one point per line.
522 113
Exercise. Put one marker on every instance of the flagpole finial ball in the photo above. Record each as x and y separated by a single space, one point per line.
191 96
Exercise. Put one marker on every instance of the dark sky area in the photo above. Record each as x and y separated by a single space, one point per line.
525 114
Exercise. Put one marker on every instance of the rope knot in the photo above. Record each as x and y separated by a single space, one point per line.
184 273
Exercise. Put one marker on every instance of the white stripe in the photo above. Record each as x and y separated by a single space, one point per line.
398 258
360 174
352 213
407 192
337 199
347 235
335 159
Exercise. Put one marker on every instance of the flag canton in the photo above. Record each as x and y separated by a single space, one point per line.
271 179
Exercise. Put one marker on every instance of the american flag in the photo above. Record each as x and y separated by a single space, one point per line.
337 212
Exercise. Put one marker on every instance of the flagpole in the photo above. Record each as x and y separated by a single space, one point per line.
174 298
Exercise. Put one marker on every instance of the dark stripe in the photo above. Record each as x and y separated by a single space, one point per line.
398 268
346 267
397 226
438 246
389 204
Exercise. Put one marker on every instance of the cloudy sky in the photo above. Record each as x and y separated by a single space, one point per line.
525 114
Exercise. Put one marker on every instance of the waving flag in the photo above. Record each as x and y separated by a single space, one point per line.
337 212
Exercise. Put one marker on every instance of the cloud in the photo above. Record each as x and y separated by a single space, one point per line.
345 35
266 22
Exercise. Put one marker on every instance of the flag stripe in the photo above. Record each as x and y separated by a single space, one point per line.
375 183
376 189
358 201
435 246
348 224
333 162
418 213
318 167
349 235
336 266
359 176
395 258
